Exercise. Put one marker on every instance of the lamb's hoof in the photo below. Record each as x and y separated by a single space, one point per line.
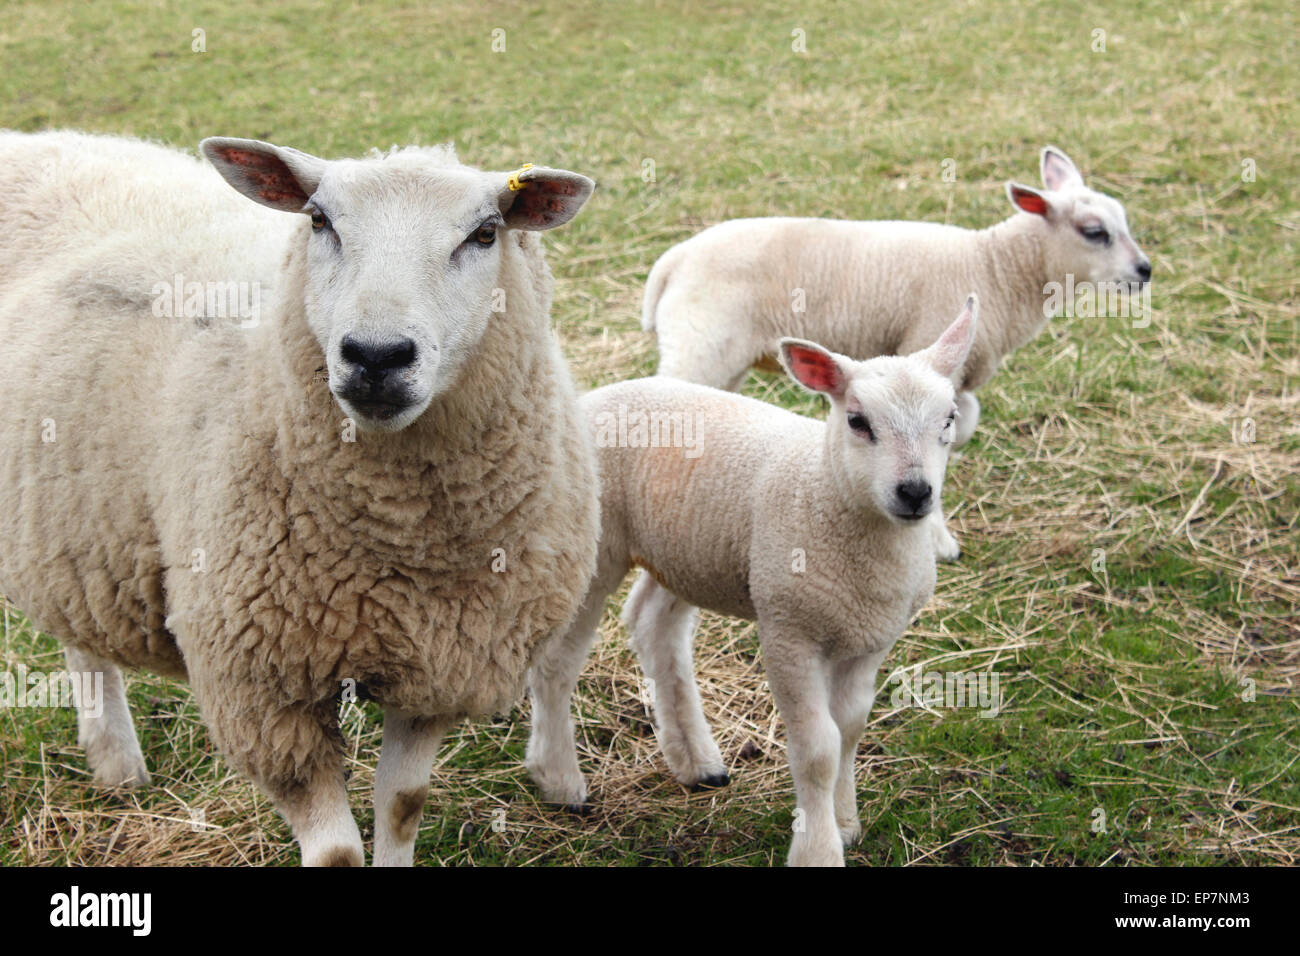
335 856
578 809
850 833
712 782
125 773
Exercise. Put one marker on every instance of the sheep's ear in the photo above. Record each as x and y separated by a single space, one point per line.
815 368
948 355
1028 199
1058 169
276 176
538 197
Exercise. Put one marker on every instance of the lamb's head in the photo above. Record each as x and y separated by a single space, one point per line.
1088 231
892 418
404 255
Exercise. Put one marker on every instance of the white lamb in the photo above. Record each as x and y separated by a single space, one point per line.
720 301
381 486
813 529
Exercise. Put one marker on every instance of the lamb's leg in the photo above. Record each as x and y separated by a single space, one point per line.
661 629
946 547
402 783
552 757
104 726
693 347
798 674
853 689
968 418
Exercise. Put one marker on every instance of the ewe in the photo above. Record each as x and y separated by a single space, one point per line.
721 300
813 529
382 485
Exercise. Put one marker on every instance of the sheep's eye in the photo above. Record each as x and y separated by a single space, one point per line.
858 422
947 425
319 220
486 234
1094 233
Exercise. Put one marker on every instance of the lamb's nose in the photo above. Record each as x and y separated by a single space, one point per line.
914 494
376 360
1144 270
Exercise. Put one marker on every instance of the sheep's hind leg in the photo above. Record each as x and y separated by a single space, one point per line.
104 726
661 629
552 756
402 783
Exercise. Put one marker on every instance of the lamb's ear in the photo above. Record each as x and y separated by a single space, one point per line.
538 197
1058 169
276 176
815 368
948 355
1028 199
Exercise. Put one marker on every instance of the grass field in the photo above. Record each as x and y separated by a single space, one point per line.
1152 692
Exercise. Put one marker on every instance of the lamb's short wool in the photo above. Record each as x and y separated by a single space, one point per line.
720 301
813 529
380 486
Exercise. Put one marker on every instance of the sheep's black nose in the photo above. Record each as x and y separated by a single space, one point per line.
1144 270
376 360
914 494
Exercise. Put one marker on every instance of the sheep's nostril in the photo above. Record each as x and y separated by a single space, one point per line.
375 360
914 494
1144 270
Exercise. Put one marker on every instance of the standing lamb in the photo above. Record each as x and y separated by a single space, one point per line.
382 485
813 529
720 301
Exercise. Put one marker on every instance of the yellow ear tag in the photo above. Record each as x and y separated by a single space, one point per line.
513 182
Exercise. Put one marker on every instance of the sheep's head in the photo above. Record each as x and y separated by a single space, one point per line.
404 259
891 422
1088 231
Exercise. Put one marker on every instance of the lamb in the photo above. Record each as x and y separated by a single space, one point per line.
720 301
813 529
382 487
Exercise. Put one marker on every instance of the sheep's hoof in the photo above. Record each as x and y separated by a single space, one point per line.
850 833
578 809
712 782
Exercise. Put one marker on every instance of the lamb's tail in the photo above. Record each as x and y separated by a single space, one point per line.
655 284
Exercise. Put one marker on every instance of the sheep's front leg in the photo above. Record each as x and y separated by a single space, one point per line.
946 547
853 690
968 418
402 783
798 674
104 726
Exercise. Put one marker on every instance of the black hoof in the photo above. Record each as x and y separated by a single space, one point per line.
579 809
711 782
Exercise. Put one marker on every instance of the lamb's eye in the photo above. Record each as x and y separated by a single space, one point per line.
1094 233
858 422
486 234
319 220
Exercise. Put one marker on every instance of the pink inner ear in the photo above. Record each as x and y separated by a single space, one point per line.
538 201
1031 202
275 184
814 369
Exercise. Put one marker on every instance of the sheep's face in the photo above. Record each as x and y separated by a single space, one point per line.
1088 231
406 255
892 418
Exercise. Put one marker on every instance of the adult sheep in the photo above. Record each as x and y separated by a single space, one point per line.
381 482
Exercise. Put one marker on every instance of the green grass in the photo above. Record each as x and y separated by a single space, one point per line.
1124 685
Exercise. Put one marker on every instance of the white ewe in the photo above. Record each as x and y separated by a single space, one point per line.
813 529
720 301
382 485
